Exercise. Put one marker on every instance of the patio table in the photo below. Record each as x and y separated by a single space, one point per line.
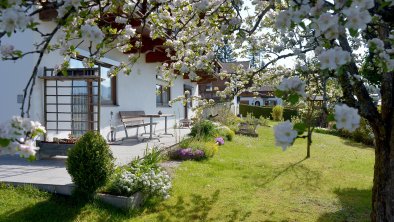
151 116
165 123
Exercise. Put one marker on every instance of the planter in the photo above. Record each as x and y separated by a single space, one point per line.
50 149
133 202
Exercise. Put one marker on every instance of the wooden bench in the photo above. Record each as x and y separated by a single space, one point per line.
133 119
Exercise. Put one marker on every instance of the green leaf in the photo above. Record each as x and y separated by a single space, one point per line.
353 32
302 24
293 98
331 117
279 93
31 158
4 142
300 127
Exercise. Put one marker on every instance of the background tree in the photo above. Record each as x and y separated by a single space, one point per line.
225 53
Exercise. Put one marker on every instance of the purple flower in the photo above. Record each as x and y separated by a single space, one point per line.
199 154
186 153
189 154
220 140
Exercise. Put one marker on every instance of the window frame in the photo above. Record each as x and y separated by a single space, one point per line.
168 89
114 91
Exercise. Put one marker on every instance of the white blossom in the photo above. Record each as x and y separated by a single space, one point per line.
346 117
6 50
21 134
120 20
333 58
293 84
377 44
283 20
284 134
13 18
326 21
363 4
92 33
130 31
357 18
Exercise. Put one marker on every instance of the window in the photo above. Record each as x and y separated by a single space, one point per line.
208 87
108 85
163 95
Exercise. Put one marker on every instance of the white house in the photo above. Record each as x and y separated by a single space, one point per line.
122 93
265 97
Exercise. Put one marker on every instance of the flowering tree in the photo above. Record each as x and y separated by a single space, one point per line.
349 38
19 136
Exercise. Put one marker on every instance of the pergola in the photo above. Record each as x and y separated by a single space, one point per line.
72 101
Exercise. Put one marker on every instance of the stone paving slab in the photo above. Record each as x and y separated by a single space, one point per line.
53 172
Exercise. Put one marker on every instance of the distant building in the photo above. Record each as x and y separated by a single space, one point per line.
265 97
209 87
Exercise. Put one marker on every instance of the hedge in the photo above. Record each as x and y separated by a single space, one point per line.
258 111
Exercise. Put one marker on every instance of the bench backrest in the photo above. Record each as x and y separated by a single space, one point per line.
131 117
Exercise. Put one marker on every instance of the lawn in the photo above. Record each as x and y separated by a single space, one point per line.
248 180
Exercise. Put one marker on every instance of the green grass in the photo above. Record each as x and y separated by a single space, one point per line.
248 180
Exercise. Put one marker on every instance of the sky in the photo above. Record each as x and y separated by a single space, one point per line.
286 62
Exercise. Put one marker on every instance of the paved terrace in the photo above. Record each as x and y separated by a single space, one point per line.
51 174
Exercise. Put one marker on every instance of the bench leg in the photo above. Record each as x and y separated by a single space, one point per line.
125 130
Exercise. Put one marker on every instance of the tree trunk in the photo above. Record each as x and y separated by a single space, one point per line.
383 188
308 144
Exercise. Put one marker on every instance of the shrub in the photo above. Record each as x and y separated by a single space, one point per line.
90 163
264 121
226 132
226 117
277 113
185 143
210 148
363 134
153 182
203 129
258 111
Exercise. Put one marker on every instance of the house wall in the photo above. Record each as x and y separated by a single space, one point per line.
252 100
134 92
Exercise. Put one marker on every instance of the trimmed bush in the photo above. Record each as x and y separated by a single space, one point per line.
277 113
258 111
90 163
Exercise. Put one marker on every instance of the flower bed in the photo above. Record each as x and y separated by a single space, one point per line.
143 176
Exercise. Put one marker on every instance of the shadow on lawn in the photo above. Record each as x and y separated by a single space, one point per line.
63 209
196 209
55 208
304 175
355 205
351 143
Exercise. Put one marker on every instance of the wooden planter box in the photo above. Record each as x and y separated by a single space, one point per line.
50 149
128 203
